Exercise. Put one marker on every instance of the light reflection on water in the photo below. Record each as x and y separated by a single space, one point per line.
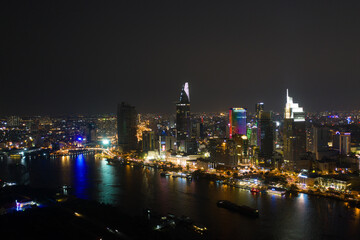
135 188
81 183
106 182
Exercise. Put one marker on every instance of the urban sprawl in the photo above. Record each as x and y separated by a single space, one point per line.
262 151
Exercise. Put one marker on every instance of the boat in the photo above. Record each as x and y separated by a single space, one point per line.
199 228
185 220
182 175
245 210
175 175
15 156
276 191
255 190
67 187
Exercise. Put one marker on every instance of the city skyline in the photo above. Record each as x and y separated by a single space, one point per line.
100 139
173 111
74 58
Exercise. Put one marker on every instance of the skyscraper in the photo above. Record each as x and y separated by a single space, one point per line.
266 135
292 110
259 108
148 141
237 121
342 142
345 145
294 134
13 121
183 118
320 140
126 127
90 133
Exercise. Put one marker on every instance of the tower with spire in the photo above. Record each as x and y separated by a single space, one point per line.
183 118
294 133
293 110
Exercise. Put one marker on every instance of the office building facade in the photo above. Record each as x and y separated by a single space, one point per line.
267 135
342 142
183 121
126 127
294 133
237 121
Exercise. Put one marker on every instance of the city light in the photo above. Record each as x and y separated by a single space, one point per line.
97 125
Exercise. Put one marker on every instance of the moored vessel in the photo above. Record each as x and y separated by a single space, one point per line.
245 210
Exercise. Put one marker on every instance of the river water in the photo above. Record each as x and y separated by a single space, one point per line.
134 188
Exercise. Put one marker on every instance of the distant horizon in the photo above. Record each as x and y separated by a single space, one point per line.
158 113
64 112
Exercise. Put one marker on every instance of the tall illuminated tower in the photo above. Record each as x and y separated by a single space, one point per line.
183 117
294 133
259 108
237 121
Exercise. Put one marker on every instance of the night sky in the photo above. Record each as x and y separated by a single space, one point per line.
60 57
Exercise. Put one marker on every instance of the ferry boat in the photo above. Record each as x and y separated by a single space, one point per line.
245 210
255 190
175 175
199 228
276 191
15 156
164 174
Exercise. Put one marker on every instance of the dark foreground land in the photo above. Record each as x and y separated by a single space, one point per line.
52 215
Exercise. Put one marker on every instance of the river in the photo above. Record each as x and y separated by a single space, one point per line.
134 188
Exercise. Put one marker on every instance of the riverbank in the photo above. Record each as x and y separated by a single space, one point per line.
134 188
231 181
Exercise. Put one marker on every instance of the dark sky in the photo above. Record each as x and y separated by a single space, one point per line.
70 56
